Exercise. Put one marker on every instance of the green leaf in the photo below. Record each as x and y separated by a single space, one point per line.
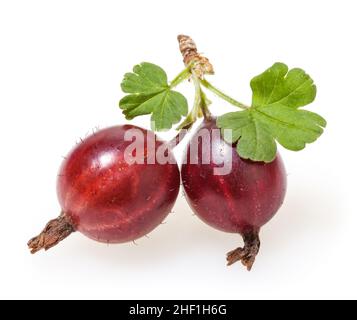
151 94
170 106
146 78
134 105
275 115
278 85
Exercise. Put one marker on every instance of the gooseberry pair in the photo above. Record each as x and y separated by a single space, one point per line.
120 183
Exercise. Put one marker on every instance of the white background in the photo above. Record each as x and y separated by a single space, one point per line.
61 63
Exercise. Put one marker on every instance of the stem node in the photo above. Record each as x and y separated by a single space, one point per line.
200 64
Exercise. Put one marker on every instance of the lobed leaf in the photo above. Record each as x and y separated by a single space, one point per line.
151 94
275 115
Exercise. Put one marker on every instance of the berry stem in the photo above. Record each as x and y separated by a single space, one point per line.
201 102
222 95
55 231
205 102
248 253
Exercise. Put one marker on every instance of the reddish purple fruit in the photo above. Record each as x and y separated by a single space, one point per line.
105 197
241 201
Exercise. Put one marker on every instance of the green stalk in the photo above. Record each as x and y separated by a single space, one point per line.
199 108
222 95
182 76
201 101
205 102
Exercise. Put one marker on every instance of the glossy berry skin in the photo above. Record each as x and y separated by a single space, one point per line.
239 202
108 199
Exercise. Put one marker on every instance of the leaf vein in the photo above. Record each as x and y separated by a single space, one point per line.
286 124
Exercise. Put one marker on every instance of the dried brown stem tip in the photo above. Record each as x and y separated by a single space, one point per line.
247 254
200 64
54 232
